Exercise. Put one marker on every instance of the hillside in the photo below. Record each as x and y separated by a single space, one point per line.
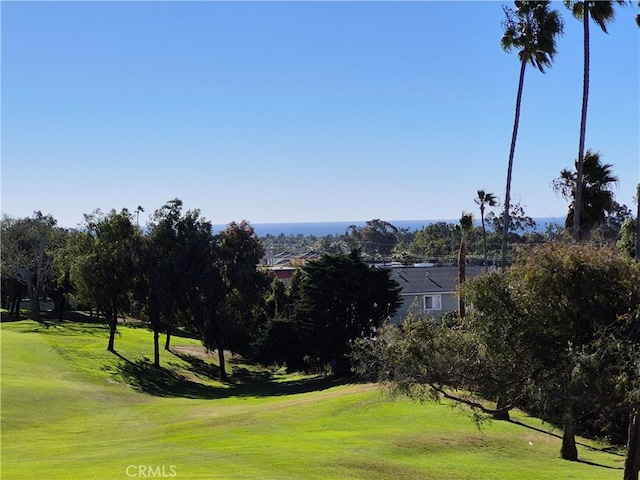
71 410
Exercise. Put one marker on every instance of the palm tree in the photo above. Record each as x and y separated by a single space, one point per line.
638 223
466 225
597 197
531 29
601 13
485 199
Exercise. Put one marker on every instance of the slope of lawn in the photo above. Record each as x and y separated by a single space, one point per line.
71 410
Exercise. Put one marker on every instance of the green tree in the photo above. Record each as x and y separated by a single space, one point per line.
601 12
637 223
237 253
627 241
161 290
531 29
439 240
484 200
104 271
60 288
28 252
519 226
429 360
377 237
561 296
341 298
597 196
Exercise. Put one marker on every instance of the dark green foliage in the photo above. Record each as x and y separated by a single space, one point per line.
531 29
231 321
173 269
597 196
341 299
284 341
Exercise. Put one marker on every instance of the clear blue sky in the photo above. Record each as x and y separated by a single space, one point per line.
299 111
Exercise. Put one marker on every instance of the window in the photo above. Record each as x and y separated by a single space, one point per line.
432 302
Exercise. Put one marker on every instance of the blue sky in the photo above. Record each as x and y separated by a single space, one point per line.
299 111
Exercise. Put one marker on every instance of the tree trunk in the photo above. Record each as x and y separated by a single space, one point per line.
500 404
112 320
638 224
568 451
577 201
484 240
632 462
16 305
461 277
507 196
223 372
167 342
34 304
156 345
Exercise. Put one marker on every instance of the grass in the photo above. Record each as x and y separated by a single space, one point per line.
72 410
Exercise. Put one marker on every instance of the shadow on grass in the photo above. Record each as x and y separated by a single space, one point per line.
589 447
143 376
198 366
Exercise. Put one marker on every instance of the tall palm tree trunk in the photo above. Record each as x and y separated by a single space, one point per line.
577 207
484 238
638 224
462 254
507 197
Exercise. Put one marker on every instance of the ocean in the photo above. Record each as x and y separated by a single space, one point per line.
321 229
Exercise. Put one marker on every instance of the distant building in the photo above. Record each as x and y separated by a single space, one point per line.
432 289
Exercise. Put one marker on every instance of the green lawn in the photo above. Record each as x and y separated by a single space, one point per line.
71 410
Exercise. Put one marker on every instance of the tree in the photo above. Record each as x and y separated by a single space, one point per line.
627 241
556 299
638 223
28 251
466 225
601 13
429 360
519 221
532 30
341 298
237 252
597 197
377 237
485 199
436 241
104 271
60 287
161 289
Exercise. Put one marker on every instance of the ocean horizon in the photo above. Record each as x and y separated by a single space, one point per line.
321 229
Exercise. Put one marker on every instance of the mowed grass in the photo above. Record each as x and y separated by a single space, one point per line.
72 410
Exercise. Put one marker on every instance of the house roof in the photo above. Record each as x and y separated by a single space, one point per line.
422 280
